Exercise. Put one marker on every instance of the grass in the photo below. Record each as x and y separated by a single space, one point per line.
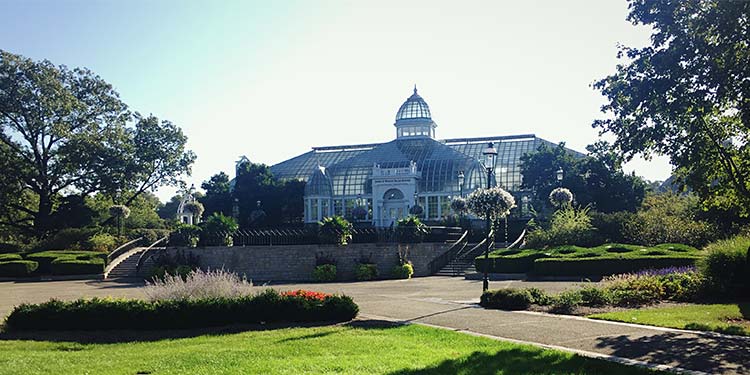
725 318
349 349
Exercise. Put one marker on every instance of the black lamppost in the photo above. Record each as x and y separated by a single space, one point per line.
461 182
559 175
490 157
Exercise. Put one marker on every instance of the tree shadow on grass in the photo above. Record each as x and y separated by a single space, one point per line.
125 336
523 361
707 353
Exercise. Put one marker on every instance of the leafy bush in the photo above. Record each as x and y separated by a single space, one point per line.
185 235
218 224
106 314
67 266
403 271
610 227
506 299
324 273
149 235
335 230
651 286
366 271
17 268
567 301
197 284
540 297
594 297
726 265
69 238
669 218
9 257
102 242
46 258
569 226
410 230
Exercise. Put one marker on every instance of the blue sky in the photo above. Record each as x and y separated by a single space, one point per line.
271 79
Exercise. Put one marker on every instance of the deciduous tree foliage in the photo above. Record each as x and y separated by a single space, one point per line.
281 201
687 95
65 131
596 180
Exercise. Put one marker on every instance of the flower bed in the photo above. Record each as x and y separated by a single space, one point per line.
103 314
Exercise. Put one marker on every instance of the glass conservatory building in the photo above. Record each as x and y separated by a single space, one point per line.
381 182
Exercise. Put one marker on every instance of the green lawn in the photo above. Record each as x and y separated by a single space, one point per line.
726 318
323 350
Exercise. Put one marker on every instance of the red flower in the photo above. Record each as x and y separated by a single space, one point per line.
306 294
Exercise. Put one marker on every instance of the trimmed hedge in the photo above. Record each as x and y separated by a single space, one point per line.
17 268
104 314
602 260
45 258
9 257
606 266
64 266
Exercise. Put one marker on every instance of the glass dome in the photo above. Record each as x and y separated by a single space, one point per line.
319 184
414 108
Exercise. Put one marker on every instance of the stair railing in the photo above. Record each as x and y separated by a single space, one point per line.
146 254
443 259
123 249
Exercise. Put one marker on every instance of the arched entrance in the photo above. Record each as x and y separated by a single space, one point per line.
395 206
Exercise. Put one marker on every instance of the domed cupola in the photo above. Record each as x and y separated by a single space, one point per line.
414 119
319 184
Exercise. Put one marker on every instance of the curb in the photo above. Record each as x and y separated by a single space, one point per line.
54 278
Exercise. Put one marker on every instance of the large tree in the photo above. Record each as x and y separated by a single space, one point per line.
281 201
687 95
596 179
66 132
218 196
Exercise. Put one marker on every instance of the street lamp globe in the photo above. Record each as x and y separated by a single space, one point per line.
490 157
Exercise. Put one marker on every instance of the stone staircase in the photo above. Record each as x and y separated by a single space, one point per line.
124 267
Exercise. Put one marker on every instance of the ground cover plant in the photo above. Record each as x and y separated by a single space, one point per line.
601 260
725 318
357 348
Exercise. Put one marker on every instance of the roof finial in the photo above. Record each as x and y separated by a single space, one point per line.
415 89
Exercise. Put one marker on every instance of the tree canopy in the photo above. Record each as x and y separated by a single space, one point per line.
687 95
66 132
596 179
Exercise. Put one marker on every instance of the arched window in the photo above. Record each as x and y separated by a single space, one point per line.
393 194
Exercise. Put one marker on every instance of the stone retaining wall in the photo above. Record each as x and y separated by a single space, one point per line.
296 262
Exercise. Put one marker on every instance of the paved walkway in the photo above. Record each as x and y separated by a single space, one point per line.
450 303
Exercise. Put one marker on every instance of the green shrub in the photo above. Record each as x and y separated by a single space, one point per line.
594 297
17 268
566 301
519 262
69 238
669 218
726 265
66 266
335 230
102 242
610 227
403 271
107 314
45 258
410 230
540 297
9 257
569 226
324 273
366 271
149 235
506 299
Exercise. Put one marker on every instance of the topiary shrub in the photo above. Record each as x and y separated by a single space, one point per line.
411 230
335 230
726 265
64 266
9 257
46 258
366 271
324 273
17 268
403 271
6 247
506 299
